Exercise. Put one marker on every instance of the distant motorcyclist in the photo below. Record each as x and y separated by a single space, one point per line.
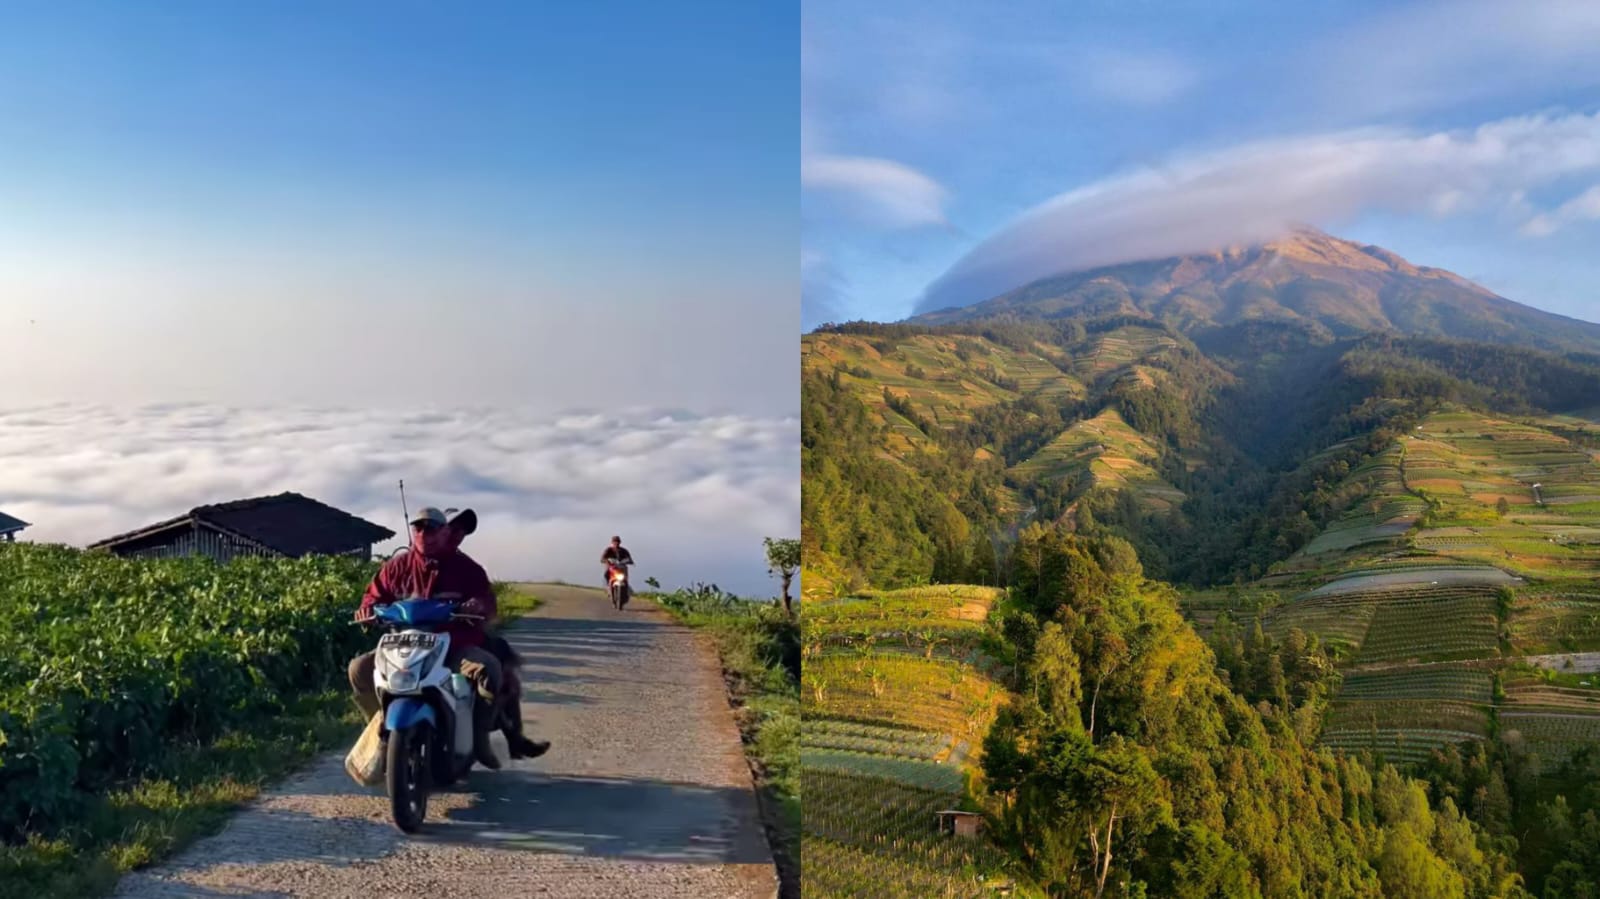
460 523
615 554
431 568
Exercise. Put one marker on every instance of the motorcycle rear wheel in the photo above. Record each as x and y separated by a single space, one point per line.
409 770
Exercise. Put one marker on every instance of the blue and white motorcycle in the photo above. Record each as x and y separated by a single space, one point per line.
427 708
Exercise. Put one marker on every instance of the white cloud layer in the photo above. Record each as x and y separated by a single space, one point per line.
1583 207
1255 191
878 191
692 497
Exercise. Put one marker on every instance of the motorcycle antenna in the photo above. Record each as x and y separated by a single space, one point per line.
407 512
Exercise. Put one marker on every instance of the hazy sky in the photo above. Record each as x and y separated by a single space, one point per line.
296 201
536 259
954 150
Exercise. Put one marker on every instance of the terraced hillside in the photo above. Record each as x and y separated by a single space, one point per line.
1103 452
1380 520
1461 589
897 698
1121 350
942 378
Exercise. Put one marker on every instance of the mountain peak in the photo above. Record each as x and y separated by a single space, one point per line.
1305 276
1312 246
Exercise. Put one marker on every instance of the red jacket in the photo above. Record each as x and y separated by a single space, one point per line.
454 577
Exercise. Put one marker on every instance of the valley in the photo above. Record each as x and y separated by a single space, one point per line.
1388 541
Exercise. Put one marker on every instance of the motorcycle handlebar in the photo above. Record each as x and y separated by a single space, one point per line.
453 616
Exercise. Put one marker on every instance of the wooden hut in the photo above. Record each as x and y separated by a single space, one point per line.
9 526
959 823
285 525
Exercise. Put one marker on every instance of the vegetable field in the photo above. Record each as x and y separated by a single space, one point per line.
1459 683
892 702
899 742
1498 559
105 663
912 772
1553 736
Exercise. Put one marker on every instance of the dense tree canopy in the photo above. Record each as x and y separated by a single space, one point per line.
1127 762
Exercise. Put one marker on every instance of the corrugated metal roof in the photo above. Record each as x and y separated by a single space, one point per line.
288 523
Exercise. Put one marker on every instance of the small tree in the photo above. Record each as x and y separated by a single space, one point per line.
819 688
783 557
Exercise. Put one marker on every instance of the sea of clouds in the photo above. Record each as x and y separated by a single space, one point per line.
692 496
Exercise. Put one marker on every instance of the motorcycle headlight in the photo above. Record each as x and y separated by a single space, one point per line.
415 669
426 668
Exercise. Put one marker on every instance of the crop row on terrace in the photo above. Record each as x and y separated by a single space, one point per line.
848 735
903 611
1463 627
1432 682
1346 618
1391 714
1394 582
911 772
1412 591
1355 534
890 818
860 808
835 871
1553 619
104 661
1401 746
935 695
1551 697
1388 502
909 633
963 592
1338 623
1407 563
1552 735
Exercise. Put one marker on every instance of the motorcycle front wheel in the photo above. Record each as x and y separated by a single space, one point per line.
408 775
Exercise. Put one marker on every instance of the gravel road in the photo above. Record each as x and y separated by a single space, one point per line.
644 792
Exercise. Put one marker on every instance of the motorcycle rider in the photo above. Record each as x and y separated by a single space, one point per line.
615 553
432 569
460 523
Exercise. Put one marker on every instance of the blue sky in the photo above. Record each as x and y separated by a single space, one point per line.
570 205
1464 135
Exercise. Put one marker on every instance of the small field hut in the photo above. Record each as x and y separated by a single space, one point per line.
286 525
9 527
